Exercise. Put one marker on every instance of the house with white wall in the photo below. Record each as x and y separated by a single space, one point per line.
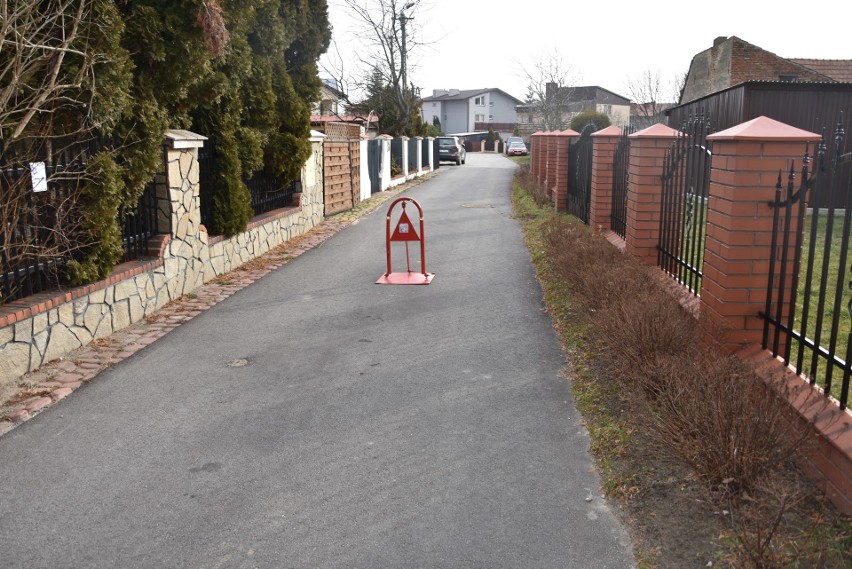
471 110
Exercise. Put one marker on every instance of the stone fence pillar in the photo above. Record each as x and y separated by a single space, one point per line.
644 193
603 157
744 174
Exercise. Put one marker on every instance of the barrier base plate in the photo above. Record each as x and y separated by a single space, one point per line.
406 278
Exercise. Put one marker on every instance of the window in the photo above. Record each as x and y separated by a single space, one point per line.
787 78
490 103
479 101
490 118
479 118
434 104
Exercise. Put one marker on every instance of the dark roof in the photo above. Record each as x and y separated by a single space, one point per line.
837 69
588 93
464 95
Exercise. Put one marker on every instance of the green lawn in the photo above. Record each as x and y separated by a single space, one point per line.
828 265
692 246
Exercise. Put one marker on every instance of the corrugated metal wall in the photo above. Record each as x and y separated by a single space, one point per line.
815 107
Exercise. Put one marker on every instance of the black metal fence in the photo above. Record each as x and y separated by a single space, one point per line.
436 152
580 175
268 191
807 321
620 180
683 209
424 153
139 224
396 157
41 215
413 144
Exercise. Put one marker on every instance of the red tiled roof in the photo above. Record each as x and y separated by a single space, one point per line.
335 118
837 69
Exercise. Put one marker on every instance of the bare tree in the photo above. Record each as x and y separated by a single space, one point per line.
388 44
651 97
45 64
550 85
50 52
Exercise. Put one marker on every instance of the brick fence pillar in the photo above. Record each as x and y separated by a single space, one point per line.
644 192
536 152
744 174
550 164
564 140
604 144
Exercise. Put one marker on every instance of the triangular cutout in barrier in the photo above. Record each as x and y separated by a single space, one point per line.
404 230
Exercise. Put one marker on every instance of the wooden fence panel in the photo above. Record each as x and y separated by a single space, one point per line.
342 165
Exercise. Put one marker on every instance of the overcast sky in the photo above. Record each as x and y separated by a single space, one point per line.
472 44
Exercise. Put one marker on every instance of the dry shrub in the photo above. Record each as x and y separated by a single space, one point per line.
713 413
538 192
591 268
212 23
644 325
706 409
782 523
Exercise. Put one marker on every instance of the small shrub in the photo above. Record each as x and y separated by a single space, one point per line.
395 168
600 120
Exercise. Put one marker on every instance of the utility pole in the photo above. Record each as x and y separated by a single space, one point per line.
404 65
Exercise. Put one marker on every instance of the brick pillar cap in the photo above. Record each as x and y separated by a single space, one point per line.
765 128
658 130
567 132
611 130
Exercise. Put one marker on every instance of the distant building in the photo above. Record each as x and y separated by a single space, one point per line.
577 100
732 61
643 115
471 110
330 99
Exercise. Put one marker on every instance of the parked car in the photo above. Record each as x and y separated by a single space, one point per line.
451 150
512 139
517 149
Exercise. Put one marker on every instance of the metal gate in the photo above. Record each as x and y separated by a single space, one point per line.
374 164
580 175
683 208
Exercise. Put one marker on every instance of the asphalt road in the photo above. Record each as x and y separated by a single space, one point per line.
373 426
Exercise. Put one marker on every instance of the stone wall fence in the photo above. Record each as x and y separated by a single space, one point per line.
49 325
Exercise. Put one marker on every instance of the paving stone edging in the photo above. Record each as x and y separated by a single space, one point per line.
59 378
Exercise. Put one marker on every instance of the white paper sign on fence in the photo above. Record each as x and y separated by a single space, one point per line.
39 176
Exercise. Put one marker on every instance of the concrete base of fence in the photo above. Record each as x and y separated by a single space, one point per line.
47 326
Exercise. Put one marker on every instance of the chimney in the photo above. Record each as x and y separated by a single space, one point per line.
719 40
439 92
550 90
454 91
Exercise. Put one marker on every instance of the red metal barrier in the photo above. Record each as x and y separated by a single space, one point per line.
405 232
